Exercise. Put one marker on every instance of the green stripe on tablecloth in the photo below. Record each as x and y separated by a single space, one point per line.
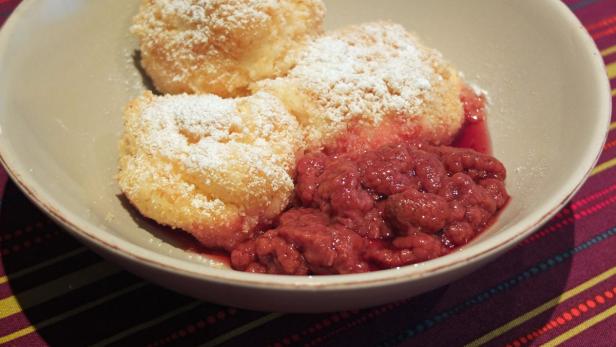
147 324
55 288
241 330
43 264
70 313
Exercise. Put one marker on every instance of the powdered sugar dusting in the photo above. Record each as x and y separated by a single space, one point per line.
363 72
214 140
367 72
182 25
215 13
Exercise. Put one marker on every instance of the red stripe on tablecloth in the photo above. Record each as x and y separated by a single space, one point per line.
563 218
604 33
585 308
26 232
569 220
194 328
564 317
610 144
598 335
604 22
579 203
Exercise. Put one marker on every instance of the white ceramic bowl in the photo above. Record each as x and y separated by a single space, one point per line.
67 73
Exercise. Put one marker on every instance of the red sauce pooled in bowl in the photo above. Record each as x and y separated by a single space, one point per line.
474 134
395 205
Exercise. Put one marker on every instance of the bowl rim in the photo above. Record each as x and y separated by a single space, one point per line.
126 250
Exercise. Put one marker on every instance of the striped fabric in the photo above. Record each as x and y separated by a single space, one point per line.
556 287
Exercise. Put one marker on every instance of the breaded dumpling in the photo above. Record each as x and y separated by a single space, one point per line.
374 82
213 167
221 46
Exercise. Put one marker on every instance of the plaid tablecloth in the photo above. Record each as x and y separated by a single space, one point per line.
556 287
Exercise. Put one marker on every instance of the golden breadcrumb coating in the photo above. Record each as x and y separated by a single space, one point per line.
221 46
364 75
211 166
